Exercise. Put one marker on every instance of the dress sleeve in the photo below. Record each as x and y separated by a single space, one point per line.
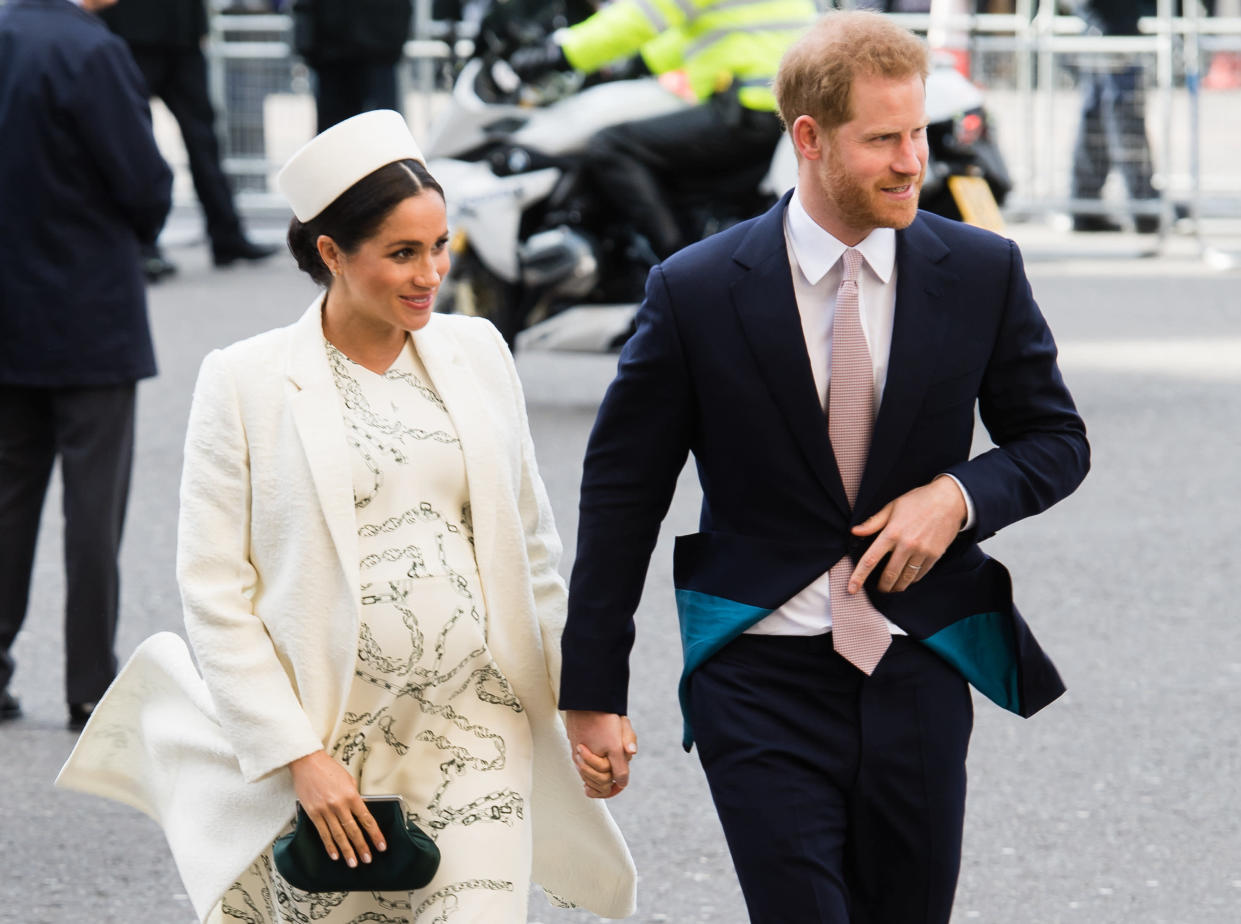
253 695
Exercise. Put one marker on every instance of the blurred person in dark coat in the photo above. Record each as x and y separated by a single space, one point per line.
166 37
354 47
82 188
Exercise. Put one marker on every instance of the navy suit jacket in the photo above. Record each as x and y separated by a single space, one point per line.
718 367
82 183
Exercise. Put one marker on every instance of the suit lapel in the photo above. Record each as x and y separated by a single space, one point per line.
767 308
322 433
918 329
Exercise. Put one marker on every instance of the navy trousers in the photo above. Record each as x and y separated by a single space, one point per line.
91 430
842 796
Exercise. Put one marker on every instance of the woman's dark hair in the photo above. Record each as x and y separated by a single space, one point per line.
357 213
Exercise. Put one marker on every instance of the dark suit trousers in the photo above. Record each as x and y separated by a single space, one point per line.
348 88
91 429
842 797
178 76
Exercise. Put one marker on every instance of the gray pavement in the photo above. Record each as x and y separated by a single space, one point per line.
1117 804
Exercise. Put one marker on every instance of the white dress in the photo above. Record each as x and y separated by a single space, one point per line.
429 715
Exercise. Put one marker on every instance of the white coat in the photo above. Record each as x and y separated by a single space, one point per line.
267 563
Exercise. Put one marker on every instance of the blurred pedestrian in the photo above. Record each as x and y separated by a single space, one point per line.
823 363
354 47
368 564
166 38
82 188
721 55
1112 132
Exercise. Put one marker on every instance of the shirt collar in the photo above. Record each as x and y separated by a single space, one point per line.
817 250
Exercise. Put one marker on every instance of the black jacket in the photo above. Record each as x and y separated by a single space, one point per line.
82 183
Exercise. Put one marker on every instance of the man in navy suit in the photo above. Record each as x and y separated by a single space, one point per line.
841 788
82 187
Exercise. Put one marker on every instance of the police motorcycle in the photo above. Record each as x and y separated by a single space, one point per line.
961 144
532 240
531 237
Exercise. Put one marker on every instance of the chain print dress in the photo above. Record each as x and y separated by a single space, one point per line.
429 716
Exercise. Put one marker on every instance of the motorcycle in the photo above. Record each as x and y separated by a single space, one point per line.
532 240
960 142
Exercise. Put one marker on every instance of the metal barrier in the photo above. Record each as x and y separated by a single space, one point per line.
1039 70
1034 65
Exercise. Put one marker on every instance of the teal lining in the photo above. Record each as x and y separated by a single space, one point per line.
982 648
708 623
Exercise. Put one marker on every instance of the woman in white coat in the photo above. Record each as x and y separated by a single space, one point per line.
367 562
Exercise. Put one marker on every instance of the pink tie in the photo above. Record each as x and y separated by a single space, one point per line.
859 632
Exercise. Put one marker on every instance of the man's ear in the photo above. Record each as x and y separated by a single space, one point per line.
808 139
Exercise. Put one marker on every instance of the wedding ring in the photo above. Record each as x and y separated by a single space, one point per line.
912 567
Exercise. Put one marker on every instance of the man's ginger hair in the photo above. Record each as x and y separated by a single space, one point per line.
817 71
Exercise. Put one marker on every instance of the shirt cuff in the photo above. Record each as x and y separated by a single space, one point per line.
970 513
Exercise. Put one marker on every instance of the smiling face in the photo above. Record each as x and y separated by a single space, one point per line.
388 284
867 173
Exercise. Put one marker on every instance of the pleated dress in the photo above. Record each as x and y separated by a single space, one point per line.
429 716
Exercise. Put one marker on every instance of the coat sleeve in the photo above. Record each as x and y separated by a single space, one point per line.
1041 453
113 120
637 449
543 545
253 696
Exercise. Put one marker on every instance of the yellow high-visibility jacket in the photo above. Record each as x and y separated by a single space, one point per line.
718 43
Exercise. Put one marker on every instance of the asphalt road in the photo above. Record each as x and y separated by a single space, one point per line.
1116 804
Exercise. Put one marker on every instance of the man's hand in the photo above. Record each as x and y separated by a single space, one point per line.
915 528
603 743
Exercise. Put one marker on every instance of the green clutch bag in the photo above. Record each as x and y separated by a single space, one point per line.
409 862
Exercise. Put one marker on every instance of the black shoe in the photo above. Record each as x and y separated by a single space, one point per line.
1146 224
155 266
79 713
10 708
1090 223
226 252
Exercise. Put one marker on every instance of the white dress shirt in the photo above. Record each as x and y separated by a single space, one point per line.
815 260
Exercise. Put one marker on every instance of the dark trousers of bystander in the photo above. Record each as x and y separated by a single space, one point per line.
842 796
178 76
1112 135
717 144
91 430
347 88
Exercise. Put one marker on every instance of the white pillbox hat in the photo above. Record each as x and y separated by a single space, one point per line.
331 162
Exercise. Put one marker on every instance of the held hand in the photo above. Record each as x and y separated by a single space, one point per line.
331 800
915 528
603 743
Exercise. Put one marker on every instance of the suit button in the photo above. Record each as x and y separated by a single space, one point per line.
856 548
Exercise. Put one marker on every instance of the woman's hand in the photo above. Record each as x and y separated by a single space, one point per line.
602 777
331 800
